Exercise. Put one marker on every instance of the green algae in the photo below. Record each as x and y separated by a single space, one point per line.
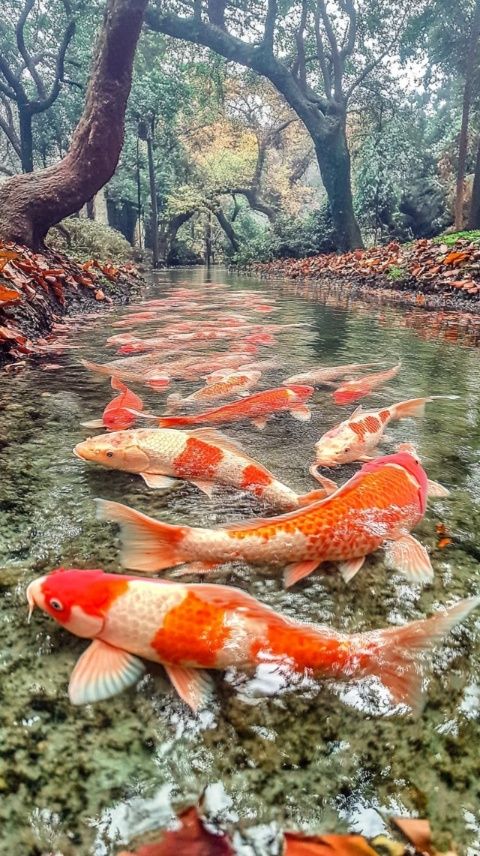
315 757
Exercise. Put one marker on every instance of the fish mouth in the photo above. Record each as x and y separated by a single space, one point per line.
76 452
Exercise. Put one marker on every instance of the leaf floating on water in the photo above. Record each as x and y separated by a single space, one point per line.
417 832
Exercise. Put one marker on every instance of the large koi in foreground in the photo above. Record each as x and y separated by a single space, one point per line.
352 390
255 408
189 628
204 457
377 507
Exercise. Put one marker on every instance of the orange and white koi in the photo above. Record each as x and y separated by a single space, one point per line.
118 413
193 628
143 369
204 457
376 508
255 408
326 374
230 385
355 437
352 390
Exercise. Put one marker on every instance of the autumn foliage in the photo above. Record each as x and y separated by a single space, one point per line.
45 283
425 265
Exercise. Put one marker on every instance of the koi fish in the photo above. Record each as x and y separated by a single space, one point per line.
143 369
204 457
376 508
118 412
352 390
230 385
326 374
191 628
255 408
355 437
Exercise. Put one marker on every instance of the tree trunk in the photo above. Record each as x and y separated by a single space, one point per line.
334 163
474 216
153 200
467 98
31 204
228 229
26 139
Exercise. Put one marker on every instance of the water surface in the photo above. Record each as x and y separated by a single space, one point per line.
315 756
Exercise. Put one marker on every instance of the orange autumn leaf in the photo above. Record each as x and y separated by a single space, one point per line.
8 295
326 845
444 542
455 257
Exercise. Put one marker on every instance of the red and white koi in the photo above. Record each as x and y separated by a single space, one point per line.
230 385
352 390
326 374
376 508
204 457
193 628
356 437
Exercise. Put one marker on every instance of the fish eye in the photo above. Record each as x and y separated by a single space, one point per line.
109 454
56 604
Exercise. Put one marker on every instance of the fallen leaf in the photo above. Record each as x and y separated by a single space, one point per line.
9 295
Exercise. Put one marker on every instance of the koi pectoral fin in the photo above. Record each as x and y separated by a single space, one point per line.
259 422
194 686
293 573
157 481
301 412
436 490
410 558
328 485
350 568
205 486
101 672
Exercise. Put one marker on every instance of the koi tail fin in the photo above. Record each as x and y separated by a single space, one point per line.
416 406
100 368
398 655
147 544
412 407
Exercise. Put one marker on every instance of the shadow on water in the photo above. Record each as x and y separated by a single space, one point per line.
318 757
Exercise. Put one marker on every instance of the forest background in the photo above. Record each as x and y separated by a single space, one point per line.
258 130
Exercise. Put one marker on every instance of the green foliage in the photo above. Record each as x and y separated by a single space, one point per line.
396 273
290 238
89 239
450 238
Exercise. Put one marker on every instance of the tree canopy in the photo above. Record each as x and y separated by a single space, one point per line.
274 128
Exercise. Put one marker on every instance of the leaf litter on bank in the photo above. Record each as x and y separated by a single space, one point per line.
42 281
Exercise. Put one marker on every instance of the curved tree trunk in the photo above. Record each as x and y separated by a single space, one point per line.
30 204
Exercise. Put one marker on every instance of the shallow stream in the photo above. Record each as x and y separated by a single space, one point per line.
315 757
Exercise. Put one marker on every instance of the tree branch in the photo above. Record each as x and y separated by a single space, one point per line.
299 68
269 31
374 62
335 54
41 106
349 9
27 58
322 59
13 82
11 136
251 56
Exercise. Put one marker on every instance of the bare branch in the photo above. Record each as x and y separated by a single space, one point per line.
9 93
216 13
322 59
59 70
349 9
11 135
13 82
27 58
377 60
299 68
335 53
269 31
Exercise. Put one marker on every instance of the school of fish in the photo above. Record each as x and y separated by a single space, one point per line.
193 335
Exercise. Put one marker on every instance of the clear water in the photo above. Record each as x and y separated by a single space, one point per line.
319 758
